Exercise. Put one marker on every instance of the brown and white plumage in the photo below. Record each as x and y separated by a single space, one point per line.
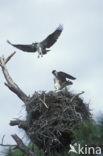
60 79
42 46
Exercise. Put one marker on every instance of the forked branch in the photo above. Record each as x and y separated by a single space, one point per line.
6 145
22 147
9 81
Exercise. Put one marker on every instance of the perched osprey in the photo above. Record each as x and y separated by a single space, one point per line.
40 47
60 79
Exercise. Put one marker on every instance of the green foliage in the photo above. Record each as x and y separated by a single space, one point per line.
15 152
89 133
36 149
8 152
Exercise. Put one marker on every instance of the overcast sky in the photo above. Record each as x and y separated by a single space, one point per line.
78 51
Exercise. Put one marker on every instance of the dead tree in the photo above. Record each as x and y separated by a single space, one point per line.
14 88
51 117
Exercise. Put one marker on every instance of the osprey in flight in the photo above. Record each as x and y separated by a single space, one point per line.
60 79
41 47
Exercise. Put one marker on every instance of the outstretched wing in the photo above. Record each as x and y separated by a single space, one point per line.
27 48
52 38
65 75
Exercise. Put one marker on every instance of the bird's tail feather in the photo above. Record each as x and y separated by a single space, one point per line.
45 52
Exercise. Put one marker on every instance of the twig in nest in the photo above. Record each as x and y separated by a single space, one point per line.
42 100
43 103
77 113
76 96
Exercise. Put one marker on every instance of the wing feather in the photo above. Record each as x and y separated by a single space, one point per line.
52 38
27 48
65 75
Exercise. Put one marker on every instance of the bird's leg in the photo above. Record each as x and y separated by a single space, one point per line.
38 55
40 51
56 90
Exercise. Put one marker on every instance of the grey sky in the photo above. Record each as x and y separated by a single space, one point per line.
77 52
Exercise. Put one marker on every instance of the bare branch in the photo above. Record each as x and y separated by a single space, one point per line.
10 83
76 96
43 101
22 147
9 57
3 139
6 145
20 123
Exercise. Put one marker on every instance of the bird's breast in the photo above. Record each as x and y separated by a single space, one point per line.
57 84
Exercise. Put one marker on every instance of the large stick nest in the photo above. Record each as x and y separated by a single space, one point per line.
52 118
